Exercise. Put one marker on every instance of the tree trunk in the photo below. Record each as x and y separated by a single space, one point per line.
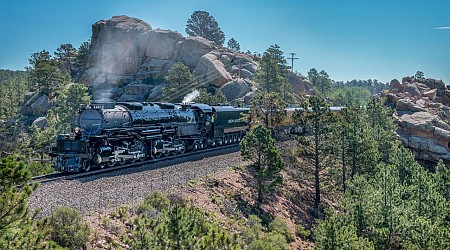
259 199
317 167
343 164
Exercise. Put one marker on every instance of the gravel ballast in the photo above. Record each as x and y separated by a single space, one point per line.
130 186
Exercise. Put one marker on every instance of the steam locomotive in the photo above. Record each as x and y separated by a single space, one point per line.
107 134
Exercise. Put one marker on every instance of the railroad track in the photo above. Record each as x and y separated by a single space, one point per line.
70 176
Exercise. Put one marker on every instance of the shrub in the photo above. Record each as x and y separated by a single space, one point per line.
67 228
302 232
123 213
155 200
36 168
269 241
279 226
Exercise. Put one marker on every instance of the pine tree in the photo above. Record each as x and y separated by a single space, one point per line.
45 74
275 79
268 108
380 118
205 97
66 56
81 60
42 139
201 23
68 103
333 233
15 222
320 80
233 45
181 82
315 118
258 146
276 53
268 75
68 229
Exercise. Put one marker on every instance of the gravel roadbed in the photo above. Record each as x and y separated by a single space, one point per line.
129 186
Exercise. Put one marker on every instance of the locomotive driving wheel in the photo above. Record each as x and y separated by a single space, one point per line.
140 147
111 163
86 165
183 148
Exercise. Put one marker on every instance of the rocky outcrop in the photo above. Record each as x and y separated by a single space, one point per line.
126 50
422 116
40 122
36 105
426 134
236 89
300 85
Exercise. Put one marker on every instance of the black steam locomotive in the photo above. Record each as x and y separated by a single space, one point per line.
107 134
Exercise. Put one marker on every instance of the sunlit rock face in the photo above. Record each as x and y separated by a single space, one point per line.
422 115
126 50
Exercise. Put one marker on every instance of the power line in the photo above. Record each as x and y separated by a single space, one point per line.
292 58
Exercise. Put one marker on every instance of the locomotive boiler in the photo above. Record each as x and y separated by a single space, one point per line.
107 134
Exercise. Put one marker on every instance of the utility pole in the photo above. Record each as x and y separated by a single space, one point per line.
292 58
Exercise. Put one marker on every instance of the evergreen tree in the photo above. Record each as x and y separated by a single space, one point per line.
181 82
43 139
400 207
12 93
179 226
45 74
419 75
205 97
275 52
201 23
68 229
268 75
69 102
267 108
17 229
38 57
285 87
334 233
363 154
66 56
320 80
350 97
233 45
81 60
442 179
13 88
380 118
258 146
315 118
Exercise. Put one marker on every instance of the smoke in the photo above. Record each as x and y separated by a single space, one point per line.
103 95
111 57
191 96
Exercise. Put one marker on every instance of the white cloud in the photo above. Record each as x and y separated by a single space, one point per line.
442 28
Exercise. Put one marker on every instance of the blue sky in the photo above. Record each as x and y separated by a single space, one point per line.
349 39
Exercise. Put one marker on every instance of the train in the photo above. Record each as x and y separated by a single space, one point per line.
107 134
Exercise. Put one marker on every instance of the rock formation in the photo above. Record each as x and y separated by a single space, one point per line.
422 115
126 53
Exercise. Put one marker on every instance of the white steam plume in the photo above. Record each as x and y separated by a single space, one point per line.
103 95
191 96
